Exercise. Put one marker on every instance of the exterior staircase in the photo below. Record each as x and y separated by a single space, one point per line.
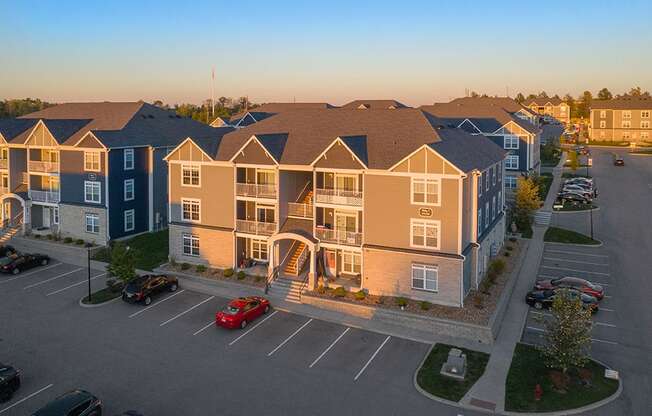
287 289
297 260
13 227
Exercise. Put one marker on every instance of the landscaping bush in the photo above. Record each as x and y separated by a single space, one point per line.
509 248
49 236
380 300
258 278
80 242
241 275
360 295
37 235
425 305
506 254
185 266
200 268
67 240
321 289
228 272
122 263
497 266
114 285
402 302
478 302
339 292
486 285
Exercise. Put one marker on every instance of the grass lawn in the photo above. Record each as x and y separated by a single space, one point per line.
561 235
528 370
101 296
431 381
150 250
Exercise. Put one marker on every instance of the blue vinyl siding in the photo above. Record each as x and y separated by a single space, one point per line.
160 187
521 151
72 177
117 204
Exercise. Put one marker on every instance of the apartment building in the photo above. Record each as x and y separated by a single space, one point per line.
518 135
621 120
250 116
93 171
551 109
386 200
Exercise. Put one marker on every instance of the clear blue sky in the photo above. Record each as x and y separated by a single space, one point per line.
417 52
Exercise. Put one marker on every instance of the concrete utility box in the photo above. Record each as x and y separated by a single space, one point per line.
455 365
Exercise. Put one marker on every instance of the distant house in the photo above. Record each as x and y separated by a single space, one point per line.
374 105
551 109
622 119
221 122
250 116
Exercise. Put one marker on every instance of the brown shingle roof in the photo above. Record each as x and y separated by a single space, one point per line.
374 104
507 103
491 116
275 108
626 103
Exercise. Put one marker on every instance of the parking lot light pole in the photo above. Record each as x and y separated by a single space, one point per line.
88 258
591 207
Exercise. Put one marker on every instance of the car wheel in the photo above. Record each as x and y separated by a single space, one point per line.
243 324
173 287
148 301
44 262
538 305
15 271
266 309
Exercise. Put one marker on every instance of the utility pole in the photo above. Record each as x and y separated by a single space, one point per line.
213 92
88 259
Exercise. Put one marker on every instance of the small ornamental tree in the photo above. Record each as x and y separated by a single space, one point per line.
573 162
526 201
568 332
122 263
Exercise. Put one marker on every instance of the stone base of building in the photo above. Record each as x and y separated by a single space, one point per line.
215 245
72 223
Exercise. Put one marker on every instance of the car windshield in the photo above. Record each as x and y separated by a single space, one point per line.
6 260
137 283
231 310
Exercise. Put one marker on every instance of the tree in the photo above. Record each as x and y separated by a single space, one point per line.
568 332
526 201
17 108
638 92
474 94
573 161
543 94
572 105
520 98
531 96
122 263
605 94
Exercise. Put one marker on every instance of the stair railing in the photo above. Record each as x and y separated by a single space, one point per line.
303 192
302 258
304 283
270 278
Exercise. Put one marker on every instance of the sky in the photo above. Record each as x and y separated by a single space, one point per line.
320 51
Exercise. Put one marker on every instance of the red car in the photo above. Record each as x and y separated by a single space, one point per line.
239 312
582 285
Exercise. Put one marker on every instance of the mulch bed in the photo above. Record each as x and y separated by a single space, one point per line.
216 274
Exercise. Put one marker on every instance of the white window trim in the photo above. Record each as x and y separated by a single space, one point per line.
645 124
509 160
436 223
133 221
262 243
626 124
425 183
354 255
603 124
487 180
511 138
645 114
96 217
493 174
603 114
191 167
133 159
190 201
133 190
99 163
627 114
480 183
480 222
191 238
425 268
493 208
55 215
99 192
487 215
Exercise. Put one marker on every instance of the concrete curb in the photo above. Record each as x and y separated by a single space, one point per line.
554 211
576 245
97 305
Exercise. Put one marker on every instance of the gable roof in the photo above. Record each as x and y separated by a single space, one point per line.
374 105
488 118
624 103
264 111
543 101
508 104
10 128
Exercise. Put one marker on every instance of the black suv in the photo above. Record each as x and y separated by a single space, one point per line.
6 250
142 288
73 403
9 382
16 262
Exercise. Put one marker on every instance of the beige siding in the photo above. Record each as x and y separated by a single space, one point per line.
41 137
215 246
338 157
253 153
426 161
188 151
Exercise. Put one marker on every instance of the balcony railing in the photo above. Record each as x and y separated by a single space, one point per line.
339 236
52 197
299 210
255 227
4 163
41 166
255 190
339 197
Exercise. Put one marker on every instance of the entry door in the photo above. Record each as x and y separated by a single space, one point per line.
6 211
46 217
330 260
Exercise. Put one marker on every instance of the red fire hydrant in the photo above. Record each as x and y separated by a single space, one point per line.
538 392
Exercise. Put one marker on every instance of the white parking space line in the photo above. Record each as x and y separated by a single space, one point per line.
547 276
269 354
608 296
574 270
156 303
187 310
329 347
75 284
199 331
252 328
20 276
603 341
605 324
575 261
576 253
26 398
607 310
371 359
52 278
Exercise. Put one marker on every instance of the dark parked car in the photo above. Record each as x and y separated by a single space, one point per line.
543 299
73 403
17 262
142 288
582 285
618 160
574 198
6 250
9 382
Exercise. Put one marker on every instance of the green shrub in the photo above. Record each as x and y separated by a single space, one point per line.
485 285
56 237
185 266
228 272
425 305
339 292
49 236
497 266
401 302
114 285
380 300
321 289
506 254
79 242
241 275
200 268
258 278
360 295
89 245
67 240
37 235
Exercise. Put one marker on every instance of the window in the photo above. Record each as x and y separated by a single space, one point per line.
351 262
486 181
562 109
480 184
92 192
259 249
500 172
425 191
500 201
190 175
603 114
129 190
645 124
130 222
486 214
510 182
645 135
479 221
129 159
4 153
627 135
92 223
425 233
645 114
55 215
493 174
190 245
626 124
493 208
510 141
603 124
190 209
511 162
92 161
627 114
424 277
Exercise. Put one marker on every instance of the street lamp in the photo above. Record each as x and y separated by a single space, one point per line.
88 259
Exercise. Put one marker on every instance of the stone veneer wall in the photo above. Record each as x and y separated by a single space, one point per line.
72 223
215 246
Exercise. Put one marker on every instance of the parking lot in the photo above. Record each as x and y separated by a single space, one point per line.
127 354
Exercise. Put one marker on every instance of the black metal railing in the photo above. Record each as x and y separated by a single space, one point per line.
270 278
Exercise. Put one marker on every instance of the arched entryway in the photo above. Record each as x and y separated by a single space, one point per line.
13 211
294 256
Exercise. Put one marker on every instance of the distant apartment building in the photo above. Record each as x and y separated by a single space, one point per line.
621 120
390 201
502 120
91 171
247 117
551 109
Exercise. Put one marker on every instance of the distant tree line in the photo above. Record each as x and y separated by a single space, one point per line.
20 107
206 112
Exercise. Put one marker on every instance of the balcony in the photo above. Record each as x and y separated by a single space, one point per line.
255 190
44 167
338 236
299 210
51 197
339 197
255 227
4 163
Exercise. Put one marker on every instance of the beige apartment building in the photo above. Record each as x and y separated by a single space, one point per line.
385 200
551 109
621 120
